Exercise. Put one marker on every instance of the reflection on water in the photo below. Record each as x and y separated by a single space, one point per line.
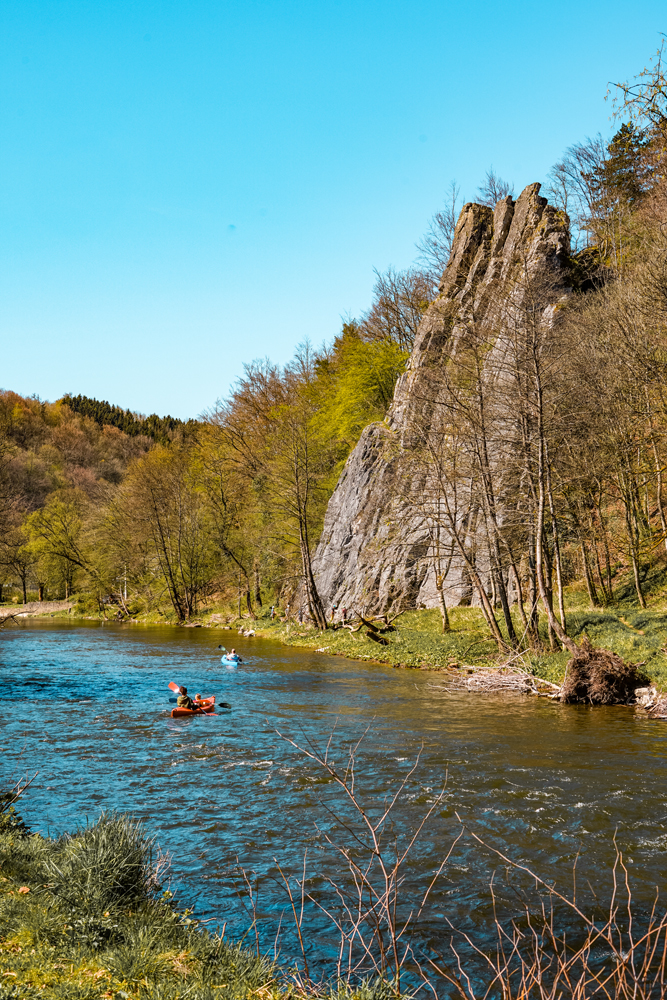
87 707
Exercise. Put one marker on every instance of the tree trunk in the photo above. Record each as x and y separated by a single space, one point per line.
41 592
554 624
603 588
446 626
607 558
492 584
590 586
519 595
315 606
441 575
258 590
556 544
248 601
633 544
534 616
504 602
498 589
658 490
638 586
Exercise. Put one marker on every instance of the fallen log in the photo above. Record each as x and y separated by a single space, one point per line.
376 637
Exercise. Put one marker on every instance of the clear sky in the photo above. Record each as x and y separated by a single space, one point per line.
186 186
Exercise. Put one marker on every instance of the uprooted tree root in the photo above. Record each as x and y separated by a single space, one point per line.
600 677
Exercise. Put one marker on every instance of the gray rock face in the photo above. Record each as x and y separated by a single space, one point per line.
367 558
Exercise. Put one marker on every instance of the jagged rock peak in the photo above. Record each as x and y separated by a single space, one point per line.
365 559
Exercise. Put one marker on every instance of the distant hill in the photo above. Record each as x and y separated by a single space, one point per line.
161 429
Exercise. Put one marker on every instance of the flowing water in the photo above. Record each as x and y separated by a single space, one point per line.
86 706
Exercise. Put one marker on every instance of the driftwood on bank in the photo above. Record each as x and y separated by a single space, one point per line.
373 630
592 677
500 681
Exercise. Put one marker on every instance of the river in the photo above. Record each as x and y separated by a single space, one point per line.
86 707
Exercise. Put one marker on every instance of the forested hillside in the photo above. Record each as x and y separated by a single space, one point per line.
161 429
234 503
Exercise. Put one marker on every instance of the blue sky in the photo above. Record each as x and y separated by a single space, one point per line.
186 186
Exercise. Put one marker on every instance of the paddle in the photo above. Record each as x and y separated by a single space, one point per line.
223 704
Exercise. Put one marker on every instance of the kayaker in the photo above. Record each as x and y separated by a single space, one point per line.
183 701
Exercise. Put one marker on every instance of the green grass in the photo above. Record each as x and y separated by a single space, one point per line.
83 917
636 635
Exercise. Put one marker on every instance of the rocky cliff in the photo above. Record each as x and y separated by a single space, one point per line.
367 557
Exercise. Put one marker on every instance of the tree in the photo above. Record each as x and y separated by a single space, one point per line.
645 99
572 187
269 429
400 299
355 383
493 189
17 557
58 540
161 501
600 184
435 246
233 515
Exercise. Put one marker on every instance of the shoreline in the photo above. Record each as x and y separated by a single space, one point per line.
466 654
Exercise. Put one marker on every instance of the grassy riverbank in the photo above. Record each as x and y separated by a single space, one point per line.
637 635
83 917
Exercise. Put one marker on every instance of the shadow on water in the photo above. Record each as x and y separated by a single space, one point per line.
541 782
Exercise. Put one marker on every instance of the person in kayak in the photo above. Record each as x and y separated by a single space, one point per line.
183 701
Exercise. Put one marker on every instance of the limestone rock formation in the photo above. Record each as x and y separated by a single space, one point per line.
366 559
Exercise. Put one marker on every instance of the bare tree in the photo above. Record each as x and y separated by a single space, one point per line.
572 186
645 99
400 299
435 246
161 500
493 189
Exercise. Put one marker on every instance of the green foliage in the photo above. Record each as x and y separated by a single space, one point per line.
10 821
356 383
625 174
61 945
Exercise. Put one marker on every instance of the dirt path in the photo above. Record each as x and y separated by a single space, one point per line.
34 608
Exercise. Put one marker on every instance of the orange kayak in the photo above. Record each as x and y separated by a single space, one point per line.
207 705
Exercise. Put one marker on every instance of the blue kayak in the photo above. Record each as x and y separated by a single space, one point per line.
231 659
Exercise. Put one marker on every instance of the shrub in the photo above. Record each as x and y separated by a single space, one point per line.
105 866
